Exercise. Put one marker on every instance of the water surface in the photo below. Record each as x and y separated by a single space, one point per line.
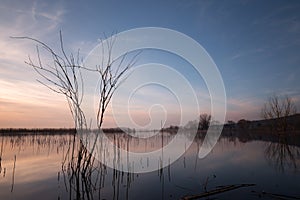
37 166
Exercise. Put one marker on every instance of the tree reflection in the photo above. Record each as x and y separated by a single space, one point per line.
98 181
79 172
84 181
281 155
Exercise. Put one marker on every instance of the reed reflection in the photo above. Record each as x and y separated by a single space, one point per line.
51 160
87 181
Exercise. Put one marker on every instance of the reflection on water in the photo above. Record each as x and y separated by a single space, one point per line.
51 166
281 155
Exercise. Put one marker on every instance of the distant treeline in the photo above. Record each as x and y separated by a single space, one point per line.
21 131
56 131
118 130
256 126
266 125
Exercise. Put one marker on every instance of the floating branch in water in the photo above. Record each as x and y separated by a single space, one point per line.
220 189
280 196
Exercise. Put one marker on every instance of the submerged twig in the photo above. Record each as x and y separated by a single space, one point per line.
13 175
281 196
217 191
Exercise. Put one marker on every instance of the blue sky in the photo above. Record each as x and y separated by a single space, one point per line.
255 44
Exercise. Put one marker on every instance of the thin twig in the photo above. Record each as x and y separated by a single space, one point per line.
221 189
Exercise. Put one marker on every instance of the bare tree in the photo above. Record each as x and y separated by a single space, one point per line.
63 75
110 70
278 109
204 121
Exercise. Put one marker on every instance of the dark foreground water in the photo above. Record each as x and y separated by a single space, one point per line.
39 167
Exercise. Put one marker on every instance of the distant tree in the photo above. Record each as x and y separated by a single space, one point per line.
230 122
243 124
204 121
191 125
279 109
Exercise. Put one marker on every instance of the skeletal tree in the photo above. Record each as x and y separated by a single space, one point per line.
63 75
110 71
278 109
204 121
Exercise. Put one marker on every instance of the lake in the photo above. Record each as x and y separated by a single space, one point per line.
39 166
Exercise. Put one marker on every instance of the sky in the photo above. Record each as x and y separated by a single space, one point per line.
254 44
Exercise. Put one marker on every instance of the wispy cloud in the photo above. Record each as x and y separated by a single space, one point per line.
37 19
29 93
22 102
53 16
250 52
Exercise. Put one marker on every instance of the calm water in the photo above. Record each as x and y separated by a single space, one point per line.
38 166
